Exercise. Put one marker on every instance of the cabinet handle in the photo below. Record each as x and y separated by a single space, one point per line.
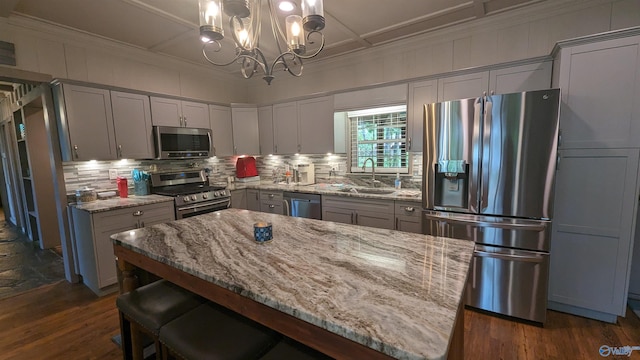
299 148
409 143
256 195
409 209
181 122
214 151
138 213
557 162
397 224
271 206
141 223
271 196
352 218
119 151
75 151
185 121
356 218
235 150
276 147
560 138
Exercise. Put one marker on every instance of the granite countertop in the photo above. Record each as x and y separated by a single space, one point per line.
120 203
411 195
392 291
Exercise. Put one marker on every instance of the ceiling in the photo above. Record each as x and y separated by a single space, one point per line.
170 27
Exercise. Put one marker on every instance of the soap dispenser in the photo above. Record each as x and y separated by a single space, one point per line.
398 183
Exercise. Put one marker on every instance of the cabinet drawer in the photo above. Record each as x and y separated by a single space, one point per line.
275 196
272 207
116 219
408 209
384 206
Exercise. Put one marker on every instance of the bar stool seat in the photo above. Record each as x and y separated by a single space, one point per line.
291 349
214 333
145 309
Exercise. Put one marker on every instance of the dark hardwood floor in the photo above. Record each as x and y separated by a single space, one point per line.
67 321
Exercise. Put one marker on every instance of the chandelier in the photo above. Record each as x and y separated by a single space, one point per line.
245 22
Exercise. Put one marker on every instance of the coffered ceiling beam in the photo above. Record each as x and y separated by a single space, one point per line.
7 6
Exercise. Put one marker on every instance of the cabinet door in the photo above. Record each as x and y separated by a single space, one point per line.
90 123
337 215
420 94
595 200
408 217
195 115
265 128
132 122
520 78
285 128
272 207
166 112
246 140
463 86
239 199
253 200
375 219
600 89
221 130
315 125
408 224
374 97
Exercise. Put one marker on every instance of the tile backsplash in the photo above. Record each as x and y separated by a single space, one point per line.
328 168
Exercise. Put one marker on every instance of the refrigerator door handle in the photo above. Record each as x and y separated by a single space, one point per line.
479 223
486 145
509 257
475 161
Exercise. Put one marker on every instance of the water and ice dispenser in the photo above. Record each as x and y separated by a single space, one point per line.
451 183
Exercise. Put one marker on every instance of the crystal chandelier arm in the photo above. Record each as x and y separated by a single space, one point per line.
219 47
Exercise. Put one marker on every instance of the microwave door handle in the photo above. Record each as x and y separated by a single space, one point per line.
211 147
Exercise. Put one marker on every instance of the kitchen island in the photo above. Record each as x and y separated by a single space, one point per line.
348 291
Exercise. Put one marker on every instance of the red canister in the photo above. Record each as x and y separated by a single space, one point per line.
123 188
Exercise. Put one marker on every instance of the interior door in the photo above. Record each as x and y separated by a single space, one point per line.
14 211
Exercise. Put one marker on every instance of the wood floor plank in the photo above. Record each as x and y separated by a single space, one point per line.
67 321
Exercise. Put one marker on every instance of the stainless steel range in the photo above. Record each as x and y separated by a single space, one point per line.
191 191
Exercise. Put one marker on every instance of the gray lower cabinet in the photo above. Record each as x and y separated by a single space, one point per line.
239 199
408 217
253 199
272 202
93 245
595 198
365 212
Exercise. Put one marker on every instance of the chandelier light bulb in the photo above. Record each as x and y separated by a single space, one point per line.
295 35
210 20
286 6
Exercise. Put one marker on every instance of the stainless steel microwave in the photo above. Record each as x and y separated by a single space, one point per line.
182 143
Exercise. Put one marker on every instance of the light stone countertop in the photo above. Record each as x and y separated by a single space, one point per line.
120 203
410 195
395 292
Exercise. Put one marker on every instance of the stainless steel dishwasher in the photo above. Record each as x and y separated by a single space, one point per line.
302 205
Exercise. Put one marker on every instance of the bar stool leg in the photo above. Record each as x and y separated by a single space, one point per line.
125 337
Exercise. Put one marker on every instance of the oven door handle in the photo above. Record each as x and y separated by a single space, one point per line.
209 204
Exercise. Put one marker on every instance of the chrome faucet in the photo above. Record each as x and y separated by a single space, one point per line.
373 169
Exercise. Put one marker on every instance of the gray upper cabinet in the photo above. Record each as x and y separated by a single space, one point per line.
285 128
304 126
265 129
179 113
315 125
420 93
221 130
246 140
87 118
374 97
463 86
132 122
600 85
520 78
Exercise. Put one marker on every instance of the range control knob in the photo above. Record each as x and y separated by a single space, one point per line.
193 197
216 193
185 199
205 196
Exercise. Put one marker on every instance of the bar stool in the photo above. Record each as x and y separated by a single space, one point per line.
144 310
291 349
215 333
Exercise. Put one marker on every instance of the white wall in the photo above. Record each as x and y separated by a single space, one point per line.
524 33
68 54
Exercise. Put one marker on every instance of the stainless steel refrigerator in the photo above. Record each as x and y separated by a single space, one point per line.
488 176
